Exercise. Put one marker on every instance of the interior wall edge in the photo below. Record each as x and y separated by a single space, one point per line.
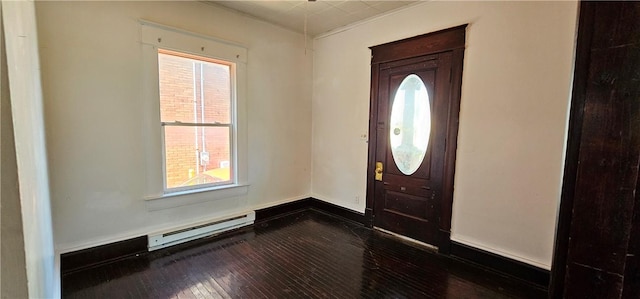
23 62
13 276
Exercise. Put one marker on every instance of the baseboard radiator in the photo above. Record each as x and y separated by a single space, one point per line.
200 230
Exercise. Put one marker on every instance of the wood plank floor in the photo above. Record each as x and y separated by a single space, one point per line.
305 255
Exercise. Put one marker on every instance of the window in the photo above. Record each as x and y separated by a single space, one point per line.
194 118
197 120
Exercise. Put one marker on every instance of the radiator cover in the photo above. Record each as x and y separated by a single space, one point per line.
199 230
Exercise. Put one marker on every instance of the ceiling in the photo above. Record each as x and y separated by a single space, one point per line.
322 15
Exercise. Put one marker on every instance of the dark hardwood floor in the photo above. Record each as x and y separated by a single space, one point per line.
304 255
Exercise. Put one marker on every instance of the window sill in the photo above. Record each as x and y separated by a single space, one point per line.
183 198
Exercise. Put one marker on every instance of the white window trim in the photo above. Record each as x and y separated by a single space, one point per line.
154 36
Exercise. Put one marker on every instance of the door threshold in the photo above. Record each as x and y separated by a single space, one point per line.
407 239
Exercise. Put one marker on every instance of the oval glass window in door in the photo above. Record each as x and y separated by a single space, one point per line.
410 124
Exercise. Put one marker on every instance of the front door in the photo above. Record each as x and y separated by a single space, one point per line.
414 103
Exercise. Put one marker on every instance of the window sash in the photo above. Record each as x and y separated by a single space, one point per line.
231 125
183 124
232 159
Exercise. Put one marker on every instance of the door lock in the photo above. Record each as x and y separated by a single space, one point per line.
378 171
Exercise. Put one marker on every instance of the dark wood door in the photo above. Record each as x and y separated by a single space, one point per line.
407 197
415 100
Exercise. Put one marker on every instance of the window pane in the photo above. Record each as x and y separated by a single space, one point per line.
410 124
193 90
197 155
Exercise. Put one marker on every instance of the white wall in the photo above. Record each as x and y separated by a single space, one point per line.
25 92
92 76
515 96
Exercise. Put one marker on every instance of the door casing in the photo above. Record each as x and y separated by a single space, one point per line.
448 40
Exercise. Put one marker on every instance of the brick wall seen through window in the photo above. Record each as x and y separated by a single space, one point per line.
195 107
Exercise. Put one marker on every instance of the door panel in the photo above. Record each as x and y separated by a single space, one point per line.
409 204
402 203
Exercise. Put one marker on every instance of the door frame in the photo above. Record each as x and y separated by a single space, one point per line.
453 40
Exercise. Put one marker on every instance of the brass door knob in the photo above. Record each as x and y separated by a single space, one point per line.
378 171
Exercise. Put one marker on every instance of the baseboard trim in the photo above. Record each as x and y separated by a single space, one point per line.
280 210
339 211
306 204
517 269
94 256
97 255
